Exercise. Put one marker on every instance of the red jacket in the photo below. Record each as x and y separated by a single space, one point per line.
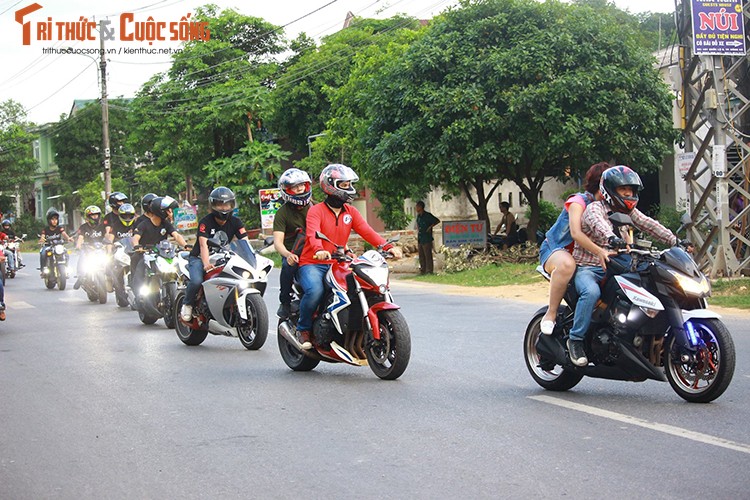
321 218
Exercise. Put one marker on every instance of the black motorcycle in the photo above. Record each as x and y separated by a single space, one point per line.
652 323
94 273
55 268
159 289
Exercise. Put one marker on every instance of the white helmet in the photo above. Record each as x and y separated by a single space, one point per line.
294 177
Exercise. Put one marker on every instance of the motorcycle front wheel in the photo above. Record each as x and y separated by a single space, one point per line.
389 356
254 331
101 289
169 311
708 376
187 335
545 372
62 276
293 357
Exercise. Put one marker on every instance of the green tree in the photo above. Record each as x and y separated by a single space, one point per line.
516 90
208 103
17 162
78 144
302 97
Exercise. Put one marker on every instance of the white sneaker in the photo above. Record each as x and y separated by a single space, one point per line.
186 313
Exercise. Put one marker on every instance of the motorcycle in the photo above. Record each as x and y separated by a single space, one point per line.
652 322
230 300
13 265
157 294
121 277
55 272
95 269
357 322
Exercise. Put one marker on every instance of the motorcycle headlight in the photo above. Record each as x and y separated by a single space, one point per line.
692 286
59 249
166 267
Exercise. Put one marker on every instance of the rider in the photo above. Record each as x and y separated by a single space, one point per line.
335 218
145 208
121 226
157 227
115 201
221 201
289 228
91 231
619 187
557 247
52 234
6 233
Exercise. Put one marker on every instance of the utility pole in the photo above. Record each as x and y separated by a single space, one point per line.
105 117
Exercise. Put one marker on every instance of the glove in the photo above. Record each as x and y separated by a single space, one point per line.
614 242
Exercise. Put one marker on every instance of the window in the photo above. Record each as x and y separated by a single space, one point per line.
37 150
510 199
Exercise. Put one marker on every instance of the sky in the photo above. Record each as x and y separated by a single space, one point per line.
46 84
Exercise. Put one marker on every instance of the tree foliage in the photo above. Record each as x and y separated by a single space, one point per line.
516 90
213 96
17 163
77 143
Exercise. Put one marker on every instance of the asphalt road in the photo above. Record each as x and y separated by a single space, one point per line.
93 404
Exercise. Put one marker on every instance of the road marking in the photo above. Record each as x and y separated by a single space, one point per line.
627 419
70 299
20 304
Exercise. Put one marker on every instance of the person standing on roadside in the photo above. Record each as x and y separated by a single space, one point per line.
425 222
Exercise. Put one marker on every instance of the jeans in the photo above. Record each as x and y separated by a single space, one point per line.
195 268
311 277
10 259
587 281
286 281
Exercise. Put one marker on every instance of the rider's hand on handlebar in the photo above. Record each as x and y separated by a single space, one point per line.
322 255
615 243
396 252
687 245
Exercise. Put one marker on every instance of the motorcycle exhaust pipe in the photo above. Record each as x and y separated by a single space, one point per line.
285 329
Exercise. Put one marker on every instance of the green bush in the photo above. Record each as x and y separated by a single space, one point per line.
26 223
548 214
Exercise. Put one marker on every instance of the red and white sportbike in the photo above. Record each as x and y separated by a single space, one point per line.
230 300
357 322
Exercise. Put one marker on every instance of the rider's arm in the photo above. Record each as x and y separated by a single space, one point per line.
313 225
79 242
203 246
278 244
575 215
178 238
652 227
136 239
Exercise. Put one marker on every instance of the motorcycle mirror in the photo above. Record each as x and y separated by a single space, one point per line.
322 236
23 236
394 239
268 241
223 238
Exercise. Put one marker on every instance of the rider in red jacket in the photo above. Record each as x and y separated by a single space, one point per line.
335 218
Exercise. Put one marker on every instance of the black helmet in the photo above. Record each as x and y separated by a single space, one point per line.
221 196
116 199
146 202
6 222
52 212
615 177
161 206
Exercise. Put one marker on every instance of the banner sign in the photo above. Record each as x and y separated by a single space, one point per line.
464 232
718 28
270 202
185 218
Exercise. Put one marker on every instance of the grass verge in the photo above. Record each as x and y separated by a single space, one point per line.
731 293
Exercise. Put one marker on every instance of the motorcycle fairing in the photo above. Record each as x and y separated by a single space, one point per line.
241 303
340 299
700 314
639 296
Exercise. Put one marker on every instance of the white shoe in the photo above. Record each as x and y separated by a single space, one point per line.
547 327
186 313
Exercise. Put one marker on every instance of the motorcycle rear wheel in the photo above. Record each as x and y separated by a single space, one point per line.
551 377
293 358
168 307
389 356
714 368
187 335
254 332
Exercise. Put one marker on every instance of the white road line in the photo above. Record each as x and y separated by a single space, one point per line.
627 419
20 304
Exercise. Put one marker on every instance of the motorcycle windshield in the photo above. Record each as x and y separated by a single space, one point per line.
244 249
127 244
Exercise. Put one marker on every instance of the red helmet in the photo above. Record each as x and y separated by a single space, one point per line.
615 177
335 174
